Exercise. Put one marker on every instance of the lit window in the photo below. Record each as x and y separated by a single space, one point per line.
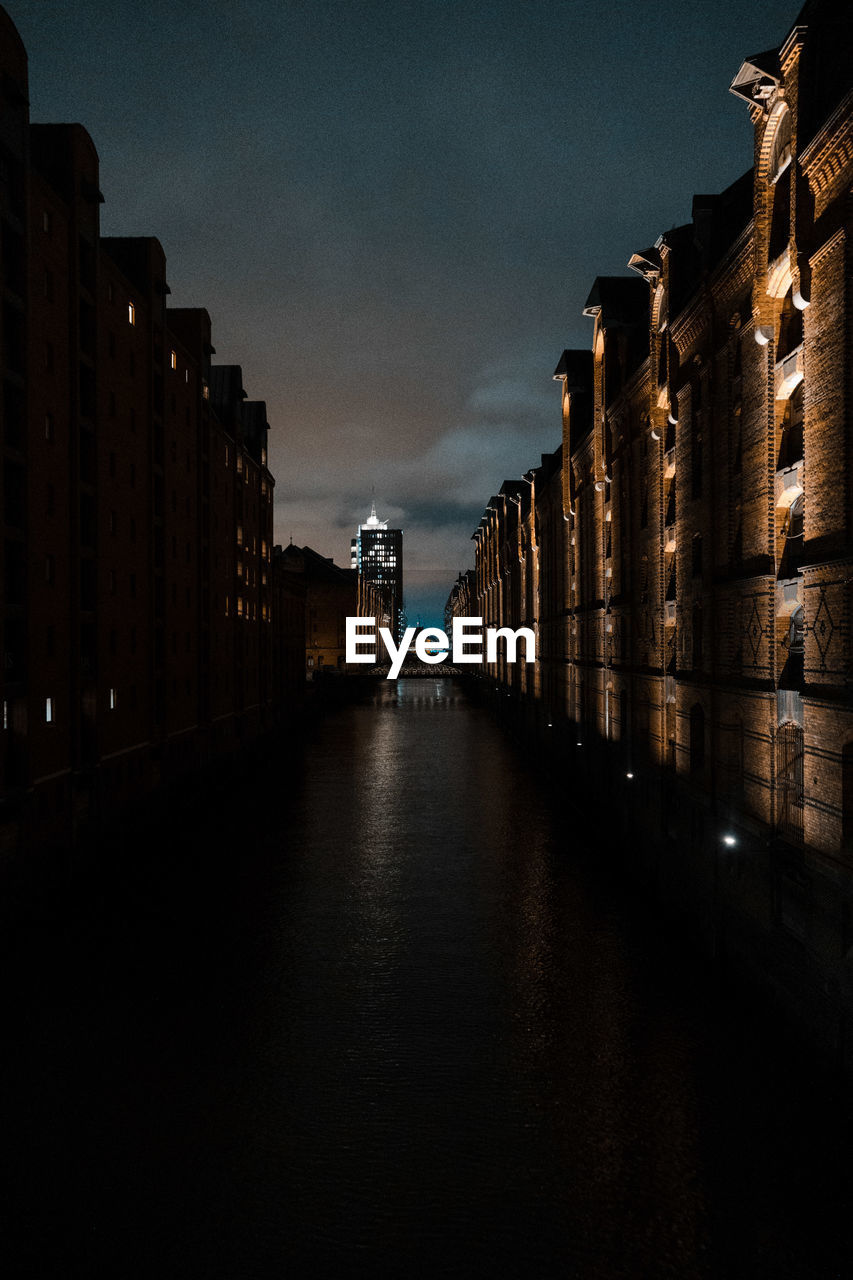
205 391
239 606
5 714
48 710
174 359
239 464
227 456
186 375
112 699
263 457
131 313
239 535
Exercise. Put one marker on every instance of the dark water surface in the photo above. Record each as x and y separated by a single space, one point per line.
380 1015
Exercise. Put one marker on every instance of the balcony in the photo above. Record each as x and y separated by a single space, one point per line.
669 613
669 537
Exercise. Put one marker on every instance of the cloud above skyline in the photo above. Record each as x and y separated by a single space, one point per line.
394 213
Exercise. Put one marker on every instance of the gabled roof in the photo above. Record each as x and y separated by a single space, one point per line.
618 300
758 76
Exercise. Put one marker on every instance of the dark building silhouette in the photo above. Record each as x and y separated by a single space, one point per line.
137 625
331 596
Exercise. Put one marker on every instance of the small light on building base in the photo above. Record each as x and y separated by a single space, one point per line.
629 775
730 841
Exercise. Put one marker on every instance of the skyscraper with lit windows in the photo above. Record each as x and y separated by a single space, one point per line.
377 553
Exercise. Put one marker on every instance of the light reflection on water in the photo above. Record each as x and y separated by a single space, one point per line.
409 1029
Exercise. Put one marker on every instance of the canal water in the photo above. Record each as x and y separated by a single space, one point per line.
382 1014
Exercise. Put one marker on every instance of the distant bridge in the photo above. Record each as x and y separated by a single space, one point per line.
418 669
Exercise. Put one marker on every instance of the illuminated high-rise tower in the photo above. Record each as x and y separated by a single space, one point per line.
377 553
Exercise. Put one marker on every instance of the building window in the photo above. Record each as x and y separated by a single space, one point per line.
131 313
46 222
112 699
174 359
48 710
790 774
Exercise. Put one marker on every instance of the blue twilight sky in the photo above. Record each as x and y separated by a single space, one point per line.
394 209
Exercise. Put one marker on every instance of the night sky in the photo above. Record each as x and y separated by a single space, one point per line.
394 212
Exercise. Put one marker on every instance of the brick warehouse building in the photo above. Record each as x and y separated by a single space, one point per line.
686 557
137 504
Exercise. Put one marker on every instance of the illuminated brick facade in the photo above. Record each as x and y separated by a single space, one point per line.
690 553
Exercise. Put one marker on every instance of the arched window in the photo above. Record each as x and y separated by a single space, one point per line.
697 739
789 772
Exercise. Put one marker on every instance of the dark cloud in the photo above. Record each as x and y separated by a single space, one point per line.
394 210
